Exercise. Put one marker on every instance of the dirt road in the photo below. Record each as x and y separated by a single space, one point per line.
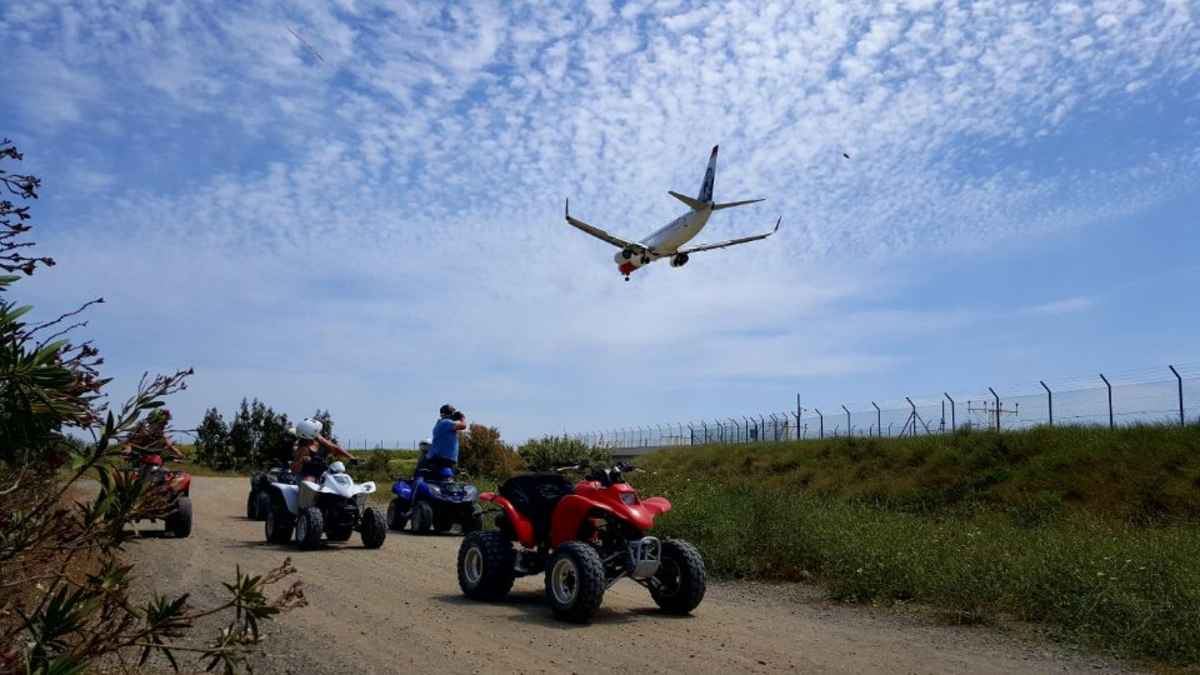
399 608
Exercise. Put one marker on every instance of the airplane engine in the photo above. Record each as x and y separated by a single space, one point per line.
679 260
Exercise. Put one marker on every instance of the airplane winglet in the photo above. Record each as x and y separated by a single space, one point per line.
777 225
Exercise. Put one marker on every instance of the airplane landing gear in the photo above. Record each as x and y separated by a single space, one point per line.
626 277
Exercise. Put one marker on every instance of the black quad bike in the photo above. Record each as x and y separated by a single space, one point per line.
259 501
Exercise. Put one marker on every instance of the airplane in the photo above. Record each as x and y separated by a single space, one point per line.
667 241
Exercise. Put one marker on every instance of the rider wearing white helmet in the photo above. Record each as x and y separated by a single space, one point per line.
313 449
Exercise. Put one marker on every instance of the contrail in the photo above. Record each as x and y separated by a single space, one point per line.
306 45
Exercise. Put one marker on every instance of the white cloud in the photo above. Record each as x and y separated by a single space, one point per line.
1064 306
423 166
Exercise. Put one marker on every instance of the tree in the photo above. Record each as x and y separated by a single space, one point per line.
549 452
52 621
326 421
212 438
481 452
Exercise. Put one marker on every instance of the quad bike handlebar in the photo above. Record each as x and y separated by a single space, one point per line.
605 475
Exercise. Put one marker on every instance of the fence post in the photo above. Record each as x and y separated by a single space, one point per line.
849 427
762 429
952 406
822 418
878 420
737 431
1111 425
914 415
997 397
1049 401
774 427
1179 380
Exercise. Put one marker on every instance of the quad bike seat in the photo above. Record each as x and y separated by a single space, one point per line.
535 495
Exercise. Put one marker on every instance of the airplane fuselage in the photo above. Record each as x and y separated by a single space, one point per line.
665 241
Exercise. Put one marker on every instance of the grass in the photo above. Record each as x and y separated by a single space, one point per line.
1089 531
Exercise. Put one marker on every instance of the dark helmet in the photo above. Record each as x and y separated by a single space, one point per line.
447 410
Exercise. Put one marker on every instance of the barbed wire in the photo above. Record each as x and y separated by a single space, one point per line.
1156 395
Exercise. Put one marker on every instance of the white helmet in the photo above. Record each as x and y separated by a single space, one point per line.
425 443
308 428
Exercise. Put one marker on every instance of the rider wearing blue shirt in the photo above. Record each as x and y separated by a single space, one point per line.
444 450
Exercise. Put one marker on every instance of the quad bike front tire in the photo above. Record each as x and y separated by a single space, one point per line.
679 585
422 517
264 505
373 528
279 525
396 517
252 506
575 582
339 533
179 523
486 566
443 520
309 528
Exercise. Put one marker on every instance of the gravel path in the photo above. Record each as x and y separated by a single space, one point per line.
399 608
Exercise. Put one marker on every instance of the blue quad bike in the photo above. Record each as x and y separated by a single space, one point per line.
435 502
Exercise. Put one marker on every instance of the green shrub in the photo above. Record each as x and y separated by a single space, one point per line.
1049 525
549 452
482 453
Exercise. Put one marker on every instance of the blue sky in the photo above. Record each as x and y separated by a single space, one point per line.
379 231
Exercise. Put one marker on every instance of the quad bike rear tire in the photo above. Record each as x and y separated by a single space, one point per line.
422 517
252 506
309 528
179 523
681 578
373 528
486 566
279 525
396 517
575 582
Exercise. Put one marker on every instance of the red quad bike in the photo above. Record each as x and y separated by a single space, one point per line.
584 538
174 485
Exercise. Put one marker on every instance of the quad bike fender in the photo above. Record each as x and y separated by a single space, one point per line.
403 489
520 524
183 484
569 515
657 505
289 495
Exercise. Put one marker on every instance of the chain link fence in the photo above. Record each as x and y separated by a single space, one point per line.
1166 395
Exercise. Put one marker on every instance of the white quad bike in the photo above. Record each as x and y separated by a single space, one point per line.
334 506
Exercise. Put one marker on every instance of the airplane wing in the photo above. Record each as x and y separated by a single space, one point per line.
731 242
601 234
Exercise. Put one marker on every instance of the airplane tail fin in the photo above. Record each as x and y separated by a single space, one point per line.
705 200
706 188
